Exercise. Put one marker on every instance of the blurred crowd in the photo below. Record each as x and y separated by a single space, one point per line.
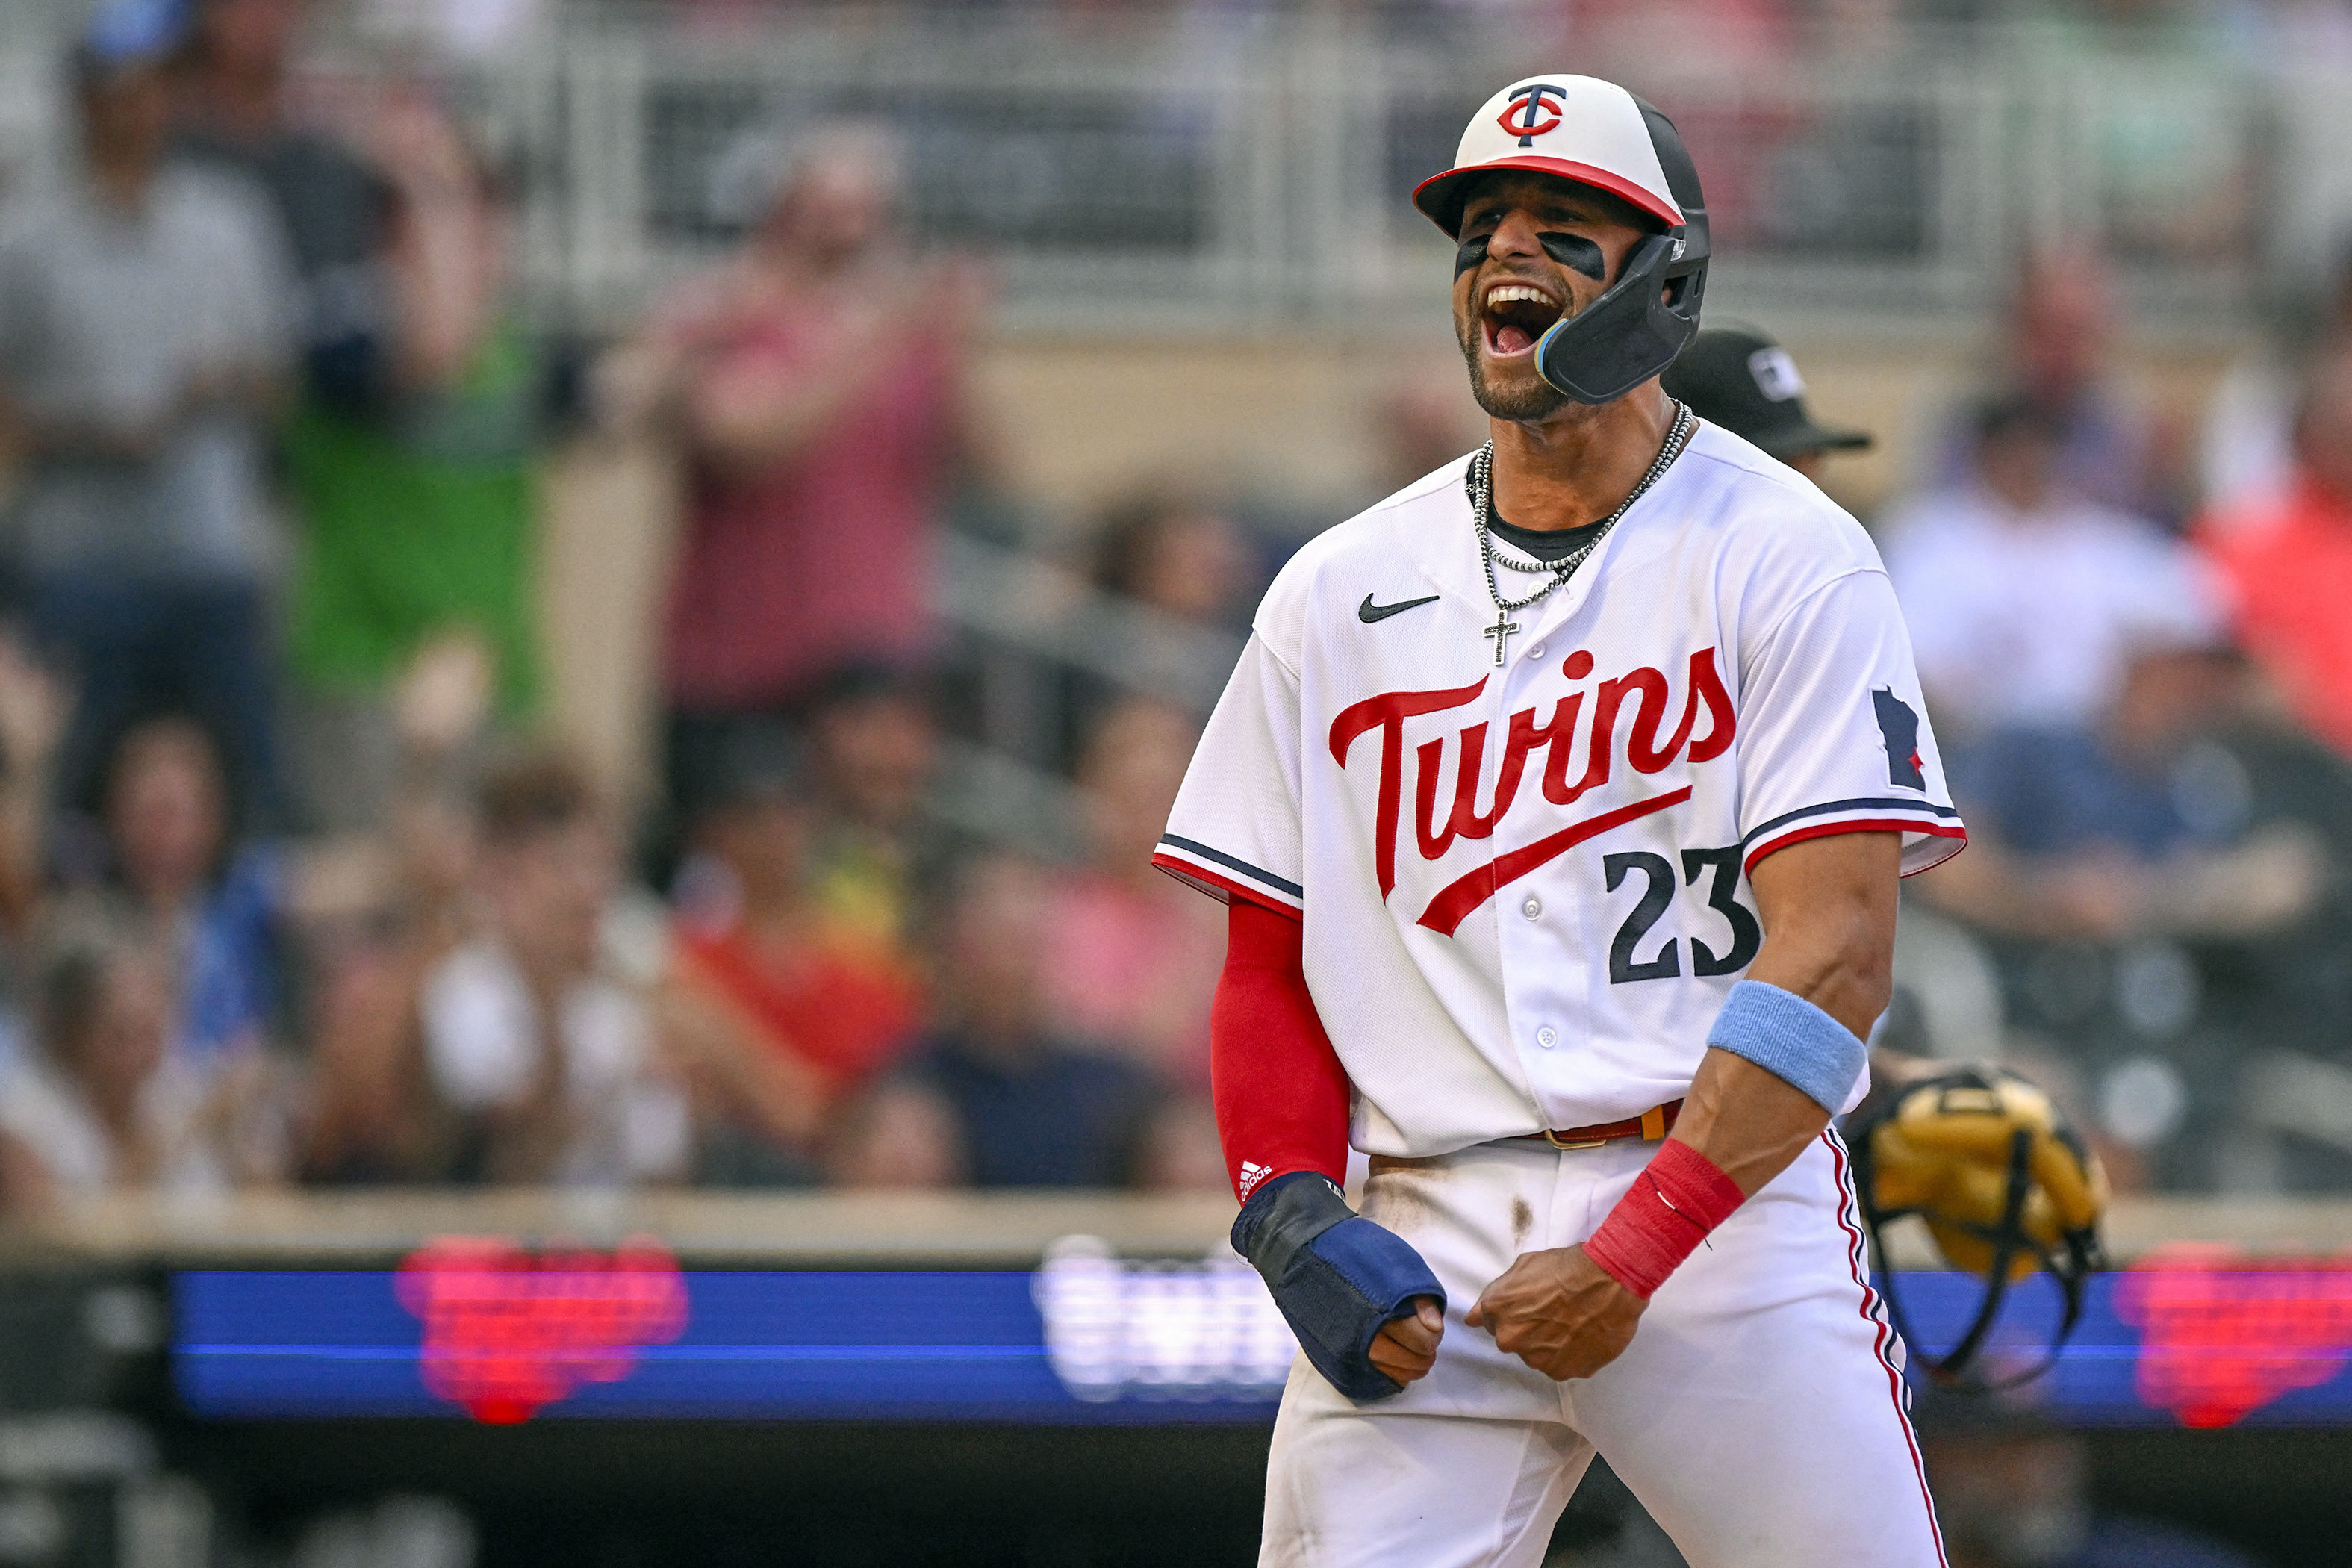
2127 636
297 885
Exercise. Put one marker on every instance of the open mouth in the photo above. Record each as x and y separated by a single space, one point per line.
1515 315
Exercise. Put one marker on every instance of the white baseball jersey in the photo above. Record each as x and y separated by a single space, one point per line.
1522 884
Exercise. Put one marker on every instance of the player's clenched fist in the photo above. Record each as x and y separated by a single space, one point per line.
1406 1348
1556 1311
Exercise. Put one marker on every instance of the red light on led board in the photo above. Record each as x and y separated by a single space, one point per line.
2223 1333
508 1331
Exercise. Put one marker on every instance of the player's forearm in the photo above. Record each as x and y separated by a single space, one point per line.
1752 1123
1829 912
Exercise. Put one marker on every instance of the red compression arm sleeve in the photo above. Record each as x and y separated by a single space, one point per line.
1280 1092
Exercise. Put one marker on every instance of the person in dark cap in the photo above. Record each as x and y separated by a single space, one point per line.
1742 380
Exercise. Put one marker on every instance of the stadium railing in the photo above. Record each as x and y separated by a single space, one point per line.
1226 170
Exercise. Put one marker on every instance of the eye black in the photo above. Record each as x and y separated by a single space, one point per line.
1472 253
1573 250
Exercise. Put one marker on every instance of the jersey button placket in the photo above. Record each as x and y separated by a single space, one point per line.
1547 1037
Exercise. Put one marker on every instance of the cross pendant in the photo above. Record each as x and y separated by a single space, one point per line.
1501 632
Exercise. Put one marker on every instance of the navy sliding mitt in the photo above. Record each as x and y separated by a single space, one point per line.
1337 1277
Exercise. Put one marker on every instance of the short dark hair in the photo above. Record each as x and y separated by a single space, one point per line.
757 761
2011 414
857 680
539 791
1126 535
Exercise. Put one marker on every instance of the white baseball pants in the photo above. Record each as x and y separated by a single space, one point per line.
1759 1414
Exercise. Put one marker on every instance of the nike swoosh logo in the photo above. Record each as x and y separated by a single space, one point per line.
1368 611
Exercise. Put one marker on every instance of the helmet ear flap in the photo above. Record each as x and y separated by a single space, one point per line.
1629 334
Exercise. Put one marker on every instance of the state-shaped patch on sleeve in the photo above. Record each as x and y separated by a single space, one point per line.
1898 721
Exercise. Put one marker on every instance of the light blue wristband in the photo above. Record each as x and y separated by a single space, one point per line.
1789 1037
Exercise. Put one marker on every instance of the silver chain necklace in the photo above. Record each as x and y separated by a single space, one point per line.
1555 573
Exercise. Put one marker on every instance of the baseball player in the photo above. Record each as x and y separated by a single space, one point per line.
1559 800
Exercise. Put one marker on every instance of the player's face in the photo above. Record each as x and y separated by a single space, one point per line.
1534 248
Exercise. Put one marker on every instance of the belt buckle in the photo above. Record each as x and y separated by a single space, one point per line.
1586 1144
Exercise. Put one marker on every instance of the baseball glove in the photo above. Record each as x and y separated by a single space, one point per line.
2005 1185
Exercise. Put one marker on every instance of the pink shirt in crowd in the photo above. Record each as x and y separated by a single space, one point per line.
824 559
2287 564
1135 971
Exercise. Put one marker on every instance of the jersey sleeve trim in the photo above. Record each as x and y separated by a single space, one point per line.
1932 834
1223 877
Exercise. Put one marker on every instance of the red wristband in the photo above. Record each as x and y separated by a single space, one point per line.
1680 1196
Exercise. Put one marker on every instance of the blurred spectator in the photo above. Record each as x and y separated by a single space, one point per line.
171 869
874 763
1179 569
419 505
372 1114
1420 423
2023 598
33 708
529 1034
996 1098
441 713
2057 357
234 112
775 1010
2128 825
1178 556
97 1102
1741 379
1136 953
372 917
2163 898
2248 439
142 332
815 384
2287 562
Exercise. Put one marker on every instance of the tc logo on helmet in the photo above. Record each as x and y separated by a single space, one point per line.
1528 115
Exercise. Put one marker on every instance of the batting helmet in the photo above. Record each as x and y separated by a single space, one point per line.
1596 133
2005 1185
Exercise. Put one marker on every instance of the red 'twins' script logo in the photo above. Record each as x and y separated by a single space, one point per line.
507 1333
2223 1333
1645 689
